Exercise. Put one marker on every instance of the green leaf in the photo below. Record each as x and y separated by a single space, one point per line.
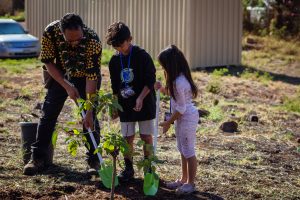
72 147
111 148
70 123
54 138
76 132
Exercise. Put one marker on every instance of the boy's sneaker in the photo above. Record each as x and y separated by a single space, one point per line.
126 175
174 185
185 189
33 167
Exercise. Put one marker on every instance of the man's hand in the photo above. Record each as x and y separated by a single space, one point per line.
88 120
166 125
72 92
138 104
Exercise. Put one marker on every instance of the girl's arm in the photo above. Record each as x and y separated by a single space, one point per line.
166 125
180 106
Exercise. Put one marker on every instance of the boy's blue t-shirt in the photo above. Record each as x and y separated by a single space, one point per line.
141 73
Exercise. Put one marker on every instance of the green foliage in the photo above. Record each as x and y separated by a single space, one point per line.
149 164
216 113
18 66
262 77
75 140
20 17
106 56
292 103
220 72
277 32
112 143
252 3
213 86
54 136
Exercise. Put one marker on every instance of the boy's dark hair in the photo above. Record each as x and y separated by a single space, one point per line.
117 33
174 63
71 21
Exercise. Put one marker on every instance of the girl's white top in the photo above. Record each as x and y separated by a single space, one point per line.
183 94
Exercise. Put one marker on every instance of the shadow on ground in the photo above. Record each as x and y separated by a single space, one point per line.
134 190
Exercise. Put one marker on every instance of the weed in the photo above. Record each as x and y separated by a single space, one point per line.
220 72
216 113
213 86
264 77
292 103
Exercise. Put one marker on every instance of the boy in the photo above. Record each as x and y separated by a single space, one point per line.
132 75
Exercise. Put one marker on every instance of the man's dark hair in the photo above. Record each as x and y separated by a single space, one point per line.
71 21
117 33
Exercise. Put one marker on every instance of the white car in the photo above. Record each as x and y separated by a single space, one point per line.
15 42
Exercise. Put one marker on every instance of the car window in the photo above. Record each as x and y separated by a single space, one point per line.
11 28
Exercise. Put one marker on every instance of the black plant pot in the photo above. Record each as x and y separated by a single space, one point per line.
28 136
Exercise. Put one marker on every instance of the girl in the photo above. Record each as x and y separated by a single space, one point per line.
181 87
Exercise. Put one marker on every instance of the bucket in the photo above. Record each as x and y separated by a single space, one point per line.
28 137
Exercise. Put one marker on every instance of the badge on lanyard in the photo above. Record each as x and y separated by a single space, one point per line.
127 75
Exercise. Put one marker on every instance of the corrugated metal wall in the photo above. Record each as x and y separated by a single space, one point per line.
208 31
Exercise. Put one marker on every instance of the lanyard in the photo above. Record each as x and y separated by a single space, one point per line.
128 65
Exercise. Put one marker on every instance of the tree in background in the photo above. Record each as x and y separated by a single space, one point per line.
18 5
286 17
282 17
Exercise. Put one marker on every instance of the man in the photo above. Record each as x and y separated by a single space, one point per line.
71 53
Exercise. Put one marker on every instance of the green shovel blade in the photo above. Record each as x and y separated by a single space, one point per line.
105 174
151 182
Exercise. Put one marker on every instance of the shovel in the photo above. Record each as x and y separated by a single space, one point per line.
105 172
151 180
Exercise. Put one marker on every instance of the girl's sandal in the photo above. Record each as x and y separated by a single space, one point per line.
185 189
174 185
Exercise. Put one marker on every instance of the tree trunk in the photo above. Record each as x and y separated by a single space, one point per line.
113 179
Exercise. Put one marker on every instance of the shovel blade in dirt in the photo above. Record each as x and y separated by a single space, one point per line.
105 174
106 171
151 182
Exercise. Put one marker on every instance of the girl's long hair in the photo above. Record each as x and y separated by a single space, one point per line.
174 63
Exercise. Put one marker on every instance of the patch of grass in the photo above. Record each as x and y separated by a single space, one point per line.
250 147
247 161
255 75
292 103
18 66
289 136
156 63
106 56
220 72
20 16
213 86
216 113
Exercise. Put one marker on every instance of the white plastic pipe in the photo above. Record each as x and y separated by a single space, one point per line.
155 134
